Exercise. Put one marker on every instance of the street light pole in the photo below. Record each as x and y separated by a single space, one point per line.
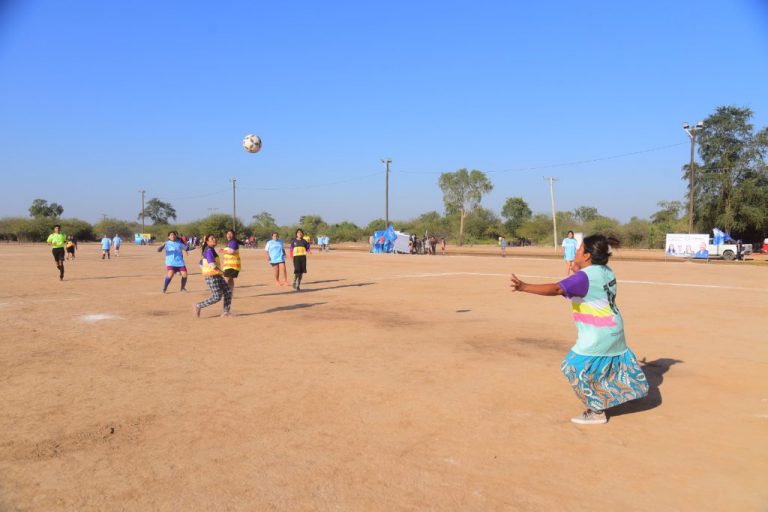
142 192
386 193
691 169
552 181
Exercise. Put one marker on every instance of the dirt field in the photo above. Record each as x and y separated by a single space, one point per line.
389 383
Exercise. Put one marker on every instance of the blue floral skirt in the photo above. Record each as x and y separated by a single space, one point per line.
605 381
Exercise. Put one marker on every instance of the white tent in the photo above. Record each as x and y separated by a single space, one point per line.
401 244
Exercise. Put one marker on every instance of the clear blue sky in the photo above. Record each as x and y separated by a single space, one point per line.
100 99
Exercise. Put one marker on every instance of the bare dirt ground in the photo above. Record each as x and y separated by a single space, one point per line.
389 383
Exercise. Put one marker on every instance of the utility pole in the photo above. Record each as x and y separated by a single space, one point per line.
386 194
692 169
552 181
142 192
234 211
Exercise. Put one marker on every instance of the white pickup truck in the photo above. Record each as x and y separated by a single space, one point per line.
728 251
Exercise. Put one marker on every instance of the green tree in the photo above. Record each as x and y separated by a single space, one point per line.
462 192
483 225
516 212
79 229
669 213
111 226
159 212
635 233
603 225
376 225
538 229
217 224
41 208
667 220
729 190
312 224
584 214
344 232
263 226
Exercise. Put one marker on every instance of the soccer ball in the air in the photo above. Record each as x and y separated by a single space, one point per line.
252 143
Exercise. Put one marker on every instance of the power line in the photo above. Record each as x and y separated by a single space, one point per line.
207 194
318 185
566 164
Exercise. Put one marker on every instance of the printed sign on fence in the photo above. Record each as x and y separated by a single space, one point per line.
684 245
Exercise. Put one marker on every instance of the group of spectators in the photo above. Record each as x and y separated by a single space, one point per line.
426 245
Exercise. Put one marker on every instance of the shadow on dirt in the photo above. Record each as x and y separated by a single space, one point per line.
654 372
310 290
284 308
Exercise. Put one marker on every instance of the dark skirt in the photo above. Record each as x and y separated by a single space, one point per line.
299 264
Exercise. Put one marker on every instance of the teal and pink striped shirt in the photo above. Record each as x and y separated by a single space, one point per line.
592 291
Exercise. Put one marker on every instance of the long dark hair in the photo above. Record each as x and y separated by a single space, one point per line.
599 247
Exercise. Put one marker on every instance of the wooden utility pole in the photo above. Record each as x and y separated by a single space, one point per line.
552 181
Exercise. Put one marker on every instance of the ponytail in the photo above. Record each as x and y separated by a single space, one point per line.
599 248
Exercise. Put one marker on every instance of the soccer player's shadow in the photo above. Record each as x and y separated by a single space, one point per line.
312 290
654 372
290 307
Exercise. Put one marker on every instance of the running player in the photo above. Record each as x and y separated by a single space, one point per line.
174 260
116 241
299 250
56 240
71 247
106 243
275 253
231 259
211 268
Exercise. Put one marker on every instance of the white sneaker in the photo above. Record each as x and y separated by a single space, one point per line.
590 417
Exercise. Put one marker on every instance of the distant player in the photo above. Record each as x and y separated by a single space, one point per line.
174 260
275 253
116 241
600 367
569 253
231 259
211 267
71 247
299 250
106 243
56 240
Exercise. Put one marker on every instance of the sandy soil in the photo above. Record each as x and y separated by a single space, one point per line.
389 383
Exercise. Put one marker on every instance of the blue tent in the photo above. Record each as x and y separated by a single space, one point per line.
384 241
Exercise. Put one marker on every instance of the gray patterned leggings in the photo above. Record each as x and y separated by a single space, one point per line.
219 289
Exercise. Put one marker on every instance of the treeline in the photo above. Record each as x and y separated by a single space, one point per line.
730 192
481 226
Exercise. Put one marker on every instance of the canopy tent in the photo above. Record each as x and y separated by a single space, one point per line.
389 240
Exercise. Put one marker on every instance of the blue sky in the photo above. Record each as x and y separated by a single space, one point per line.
101 99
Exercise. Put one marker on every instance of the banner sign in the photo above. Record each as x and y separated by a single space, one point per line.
684 245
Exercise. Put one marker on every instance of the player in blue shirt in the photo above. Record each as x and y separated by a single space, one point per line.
570 244
106 243
174 260
275 253
116 241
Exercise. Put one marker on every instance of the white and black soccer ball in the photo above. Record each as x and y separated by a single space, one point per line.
252 143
